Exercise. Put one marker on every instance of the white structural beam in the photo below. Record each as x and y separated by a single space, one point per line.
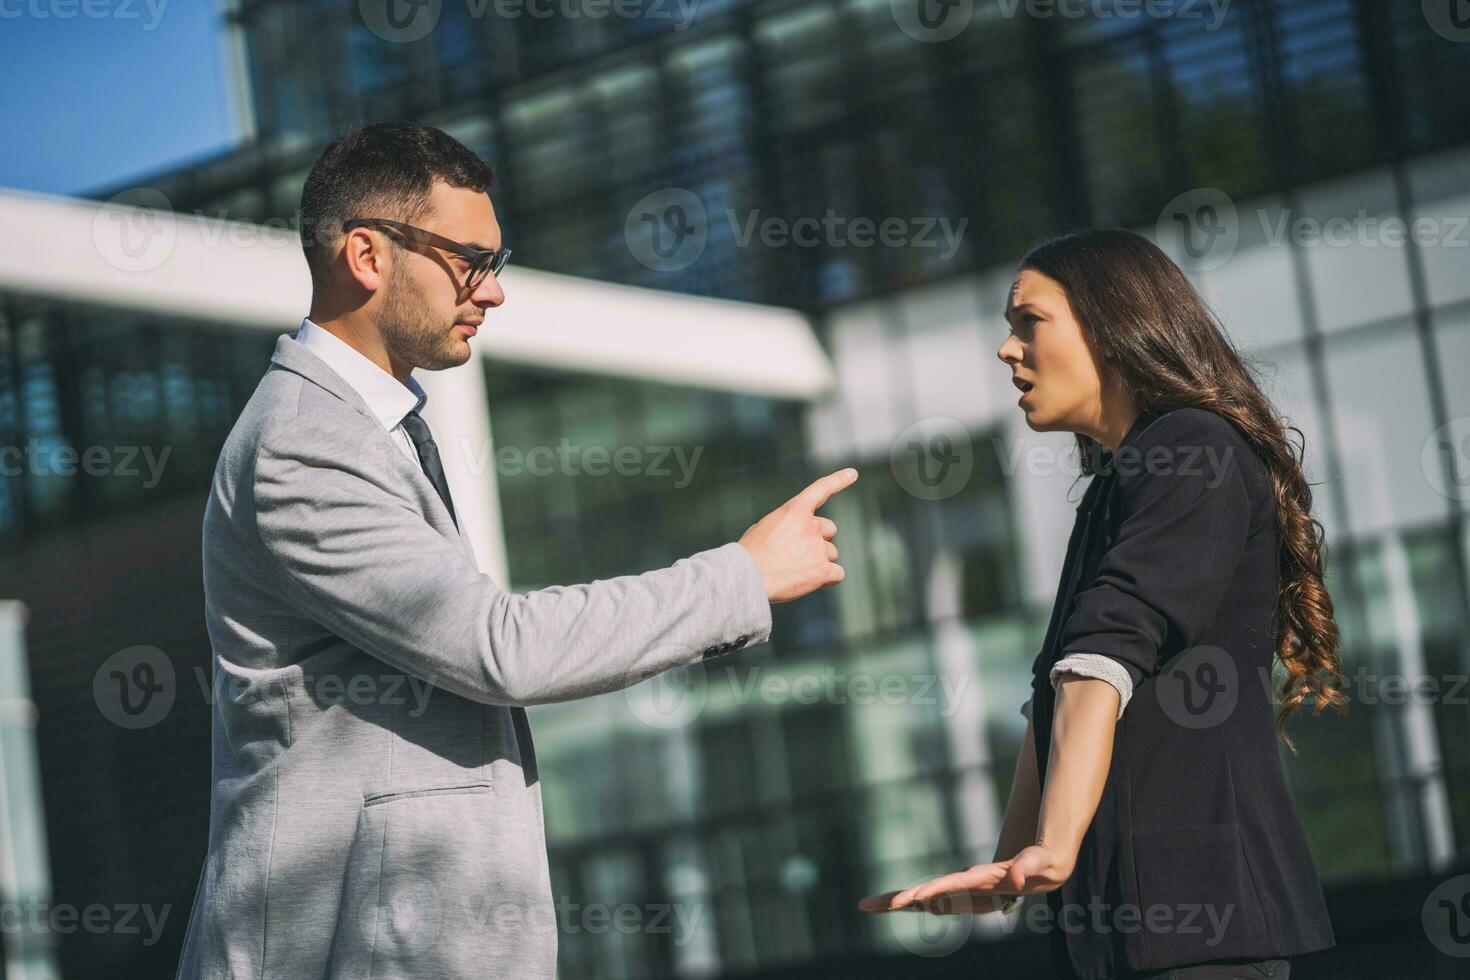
141 256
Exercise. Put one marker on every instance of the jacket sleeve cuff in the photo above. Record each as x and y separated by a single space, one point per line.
748 611
1097 666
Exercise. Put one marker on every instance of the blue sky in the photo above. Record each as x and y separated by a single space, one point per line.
117 90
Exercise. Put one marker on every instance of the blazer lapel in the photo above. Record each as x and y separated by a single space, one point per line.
1089 533
291 356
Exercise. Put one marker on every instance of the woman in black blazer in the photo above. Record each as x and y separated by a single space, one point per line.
1149 802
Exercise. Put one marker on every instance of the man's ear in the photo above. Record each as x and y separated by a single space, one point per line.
366 257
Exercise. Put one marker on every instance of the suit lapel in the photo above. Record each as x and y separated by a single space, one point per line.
292 356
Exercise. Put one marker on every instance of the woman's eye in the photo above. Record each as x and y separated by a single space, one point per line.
1024 323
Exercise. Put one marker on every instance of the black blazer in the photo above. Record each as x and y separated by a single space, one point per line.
1196 852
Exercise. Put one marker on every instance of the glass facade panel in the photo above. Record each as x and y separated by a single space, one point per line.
105 412
1118 128
1379 393
1359 272
1326 82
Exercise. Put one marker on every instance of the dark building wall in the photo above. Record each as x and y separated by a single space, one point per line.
127 811
106 556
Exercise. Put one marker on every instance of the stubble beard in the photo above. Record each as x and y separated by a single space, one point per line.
412 333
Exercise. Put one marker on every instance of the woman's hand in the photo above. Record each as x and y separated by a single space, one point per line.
1081 755
1036 869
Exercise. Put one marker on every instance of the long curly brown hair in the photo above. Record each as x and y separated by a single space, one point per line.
1148 326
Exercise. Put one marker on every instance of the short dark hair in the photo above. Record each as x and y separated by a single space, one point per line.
381 170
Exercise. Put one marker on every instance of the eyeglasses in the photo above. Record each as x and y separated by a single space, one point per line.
482 261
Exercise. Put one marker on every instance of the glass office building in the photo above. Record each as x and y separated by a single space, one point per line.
756 800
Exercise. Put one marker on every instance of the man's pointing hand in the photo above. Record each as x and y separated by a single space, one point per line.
793 547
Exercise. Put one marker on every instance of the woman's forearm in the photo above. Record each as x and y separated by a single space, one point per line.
1024 807
1077 769
1077 765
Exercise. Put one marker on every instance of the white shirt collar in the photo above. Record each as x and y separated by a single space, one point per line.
388 400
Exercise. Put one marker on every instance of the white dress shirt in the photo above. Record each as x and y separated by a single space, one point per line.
388 400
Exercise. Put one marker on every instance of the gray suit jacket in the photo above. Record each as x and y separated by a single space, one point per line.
375 808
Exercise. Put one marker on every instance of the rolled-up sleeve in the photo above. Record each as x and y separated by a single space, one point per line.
1184 519
1097 666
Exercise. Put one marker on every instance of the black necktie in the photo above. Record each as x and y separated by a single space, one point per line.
423 442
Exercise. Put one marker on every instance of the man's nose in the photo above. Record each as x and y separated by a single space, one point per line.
488 293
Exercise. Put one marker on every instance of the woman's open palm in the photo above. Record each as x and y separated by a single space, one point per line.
1035 869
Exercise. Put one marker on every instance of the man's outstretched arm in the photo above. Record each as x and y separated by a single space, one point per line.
352 554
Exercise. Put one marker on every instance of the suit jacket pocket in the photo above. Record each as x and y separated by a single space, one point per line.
435 883
389 796
1195 897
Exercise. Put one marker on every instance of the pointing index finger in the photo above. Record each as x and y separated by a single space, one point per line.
816 495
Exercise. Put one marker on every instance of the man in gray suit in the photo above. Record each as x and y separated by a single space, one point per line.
376 810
